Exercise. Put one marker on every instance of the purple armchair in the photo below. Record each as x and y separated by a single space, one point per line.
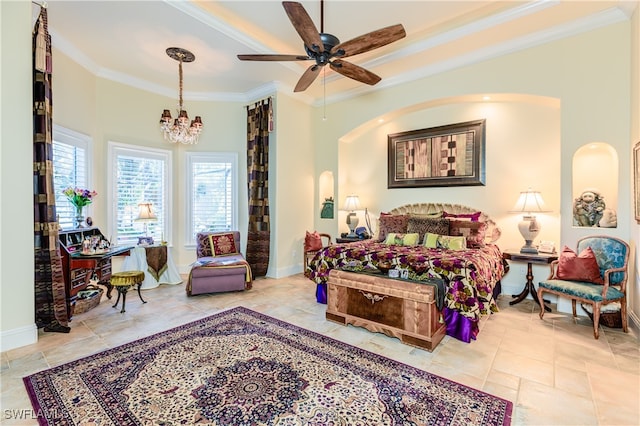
214 274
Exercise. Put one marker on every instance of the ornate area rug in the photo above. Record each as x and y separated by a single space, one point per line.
240 367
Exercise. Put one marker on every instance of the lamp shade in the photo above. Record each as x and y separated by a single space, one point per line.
352 203
529 202
145 213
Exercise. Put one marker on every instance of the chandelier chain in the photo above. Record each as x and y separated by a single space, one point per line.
180 75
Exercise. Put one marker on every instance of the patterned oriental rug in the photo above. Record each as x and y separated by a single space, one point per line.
240 367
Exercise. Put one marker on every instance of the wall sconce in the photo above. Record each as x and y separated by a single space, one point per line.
351 204
528 203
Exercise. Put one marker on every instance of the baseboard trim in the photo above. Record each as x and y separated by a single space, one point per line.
18 337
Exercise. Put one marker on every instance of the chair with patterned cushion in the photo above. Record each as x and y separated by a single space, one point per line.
220 266
312 243
596 274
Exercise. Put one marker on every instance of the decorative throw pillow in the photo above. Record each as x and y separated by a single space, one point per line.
444 242
312 241
223 244
425 225
582 267
474 232
388 223
203 245
473 217
401 239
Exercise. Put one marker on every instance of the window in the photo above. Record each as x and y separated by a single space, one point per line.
212 193
70 169
139 175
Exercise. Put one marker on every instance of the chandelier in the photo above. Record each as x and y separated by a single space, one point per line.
180 130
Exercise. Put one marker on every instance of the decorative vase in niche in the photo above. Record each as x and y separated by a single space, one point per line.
79 217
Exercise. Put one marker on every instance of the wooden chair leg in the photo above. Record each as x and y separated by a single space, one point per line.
623 314
540 291
573 307
596 320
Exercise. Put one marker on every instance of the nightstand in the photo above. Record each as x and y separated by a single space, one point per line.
350 239
514 255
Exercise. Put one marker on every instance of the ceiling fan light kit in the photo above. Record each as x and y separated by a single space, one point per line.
324 48
180 129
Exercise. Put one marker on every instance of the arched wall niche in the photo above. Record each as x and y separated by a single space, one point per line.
595 186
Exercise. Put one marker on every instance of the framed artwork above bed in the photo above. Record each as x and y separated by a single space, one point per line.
451 155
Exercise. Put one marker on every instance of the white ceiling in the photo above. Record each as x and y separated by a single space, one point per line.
125 41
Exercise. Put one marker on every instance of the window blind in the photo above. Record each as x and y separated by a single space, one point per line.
69 170
139 178
212 193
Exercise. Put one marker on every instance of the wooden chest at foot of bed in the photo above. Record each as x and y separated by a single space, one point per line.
398 308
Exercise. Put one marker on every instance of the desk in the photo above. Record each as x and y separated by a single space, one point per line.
530 258
78 268
137 261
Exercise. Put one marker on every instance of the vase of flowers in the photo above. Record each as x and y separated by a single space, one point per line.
79 198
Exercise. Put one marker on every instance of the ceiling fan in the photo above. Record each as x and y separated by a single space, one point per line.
324 48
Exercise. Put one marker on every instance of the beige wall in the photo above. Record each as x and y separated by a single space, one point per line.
16 177
588 76
634 280
520 136
291 185
127 115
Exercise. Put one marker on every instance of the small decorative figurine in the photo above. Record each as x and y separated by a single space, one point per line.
327 209
588 208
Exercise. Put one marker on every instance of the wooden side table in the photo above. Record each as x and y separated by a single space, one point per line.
514 255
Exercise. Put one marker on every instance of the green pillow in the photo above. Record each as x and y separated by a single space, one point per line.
402 239
444 242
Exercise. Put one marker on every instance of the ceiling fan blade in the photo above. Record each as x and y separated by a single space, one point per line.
370 41
307 78
304 25
270 57
355 72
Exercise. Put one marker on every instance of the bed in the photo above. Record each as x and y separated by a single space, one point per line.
471 267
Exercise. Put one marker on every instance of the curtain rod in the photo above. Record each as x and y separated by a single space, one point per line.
43 4
255 102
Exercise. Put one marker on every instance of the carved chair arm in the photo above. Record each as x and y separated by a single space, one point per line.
327 236
607 275
552 266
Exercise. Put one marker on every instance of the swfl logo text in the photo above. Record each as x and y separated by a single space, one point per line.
29 414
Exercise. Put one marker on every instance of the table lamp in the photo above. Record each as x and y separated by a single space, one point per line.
351 204
528 203
145 215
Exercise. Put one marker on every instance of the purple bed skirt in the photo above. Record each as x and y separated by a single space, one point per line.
458 326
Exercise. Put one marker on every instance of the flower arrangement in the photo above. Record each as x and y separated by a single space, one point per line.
79 197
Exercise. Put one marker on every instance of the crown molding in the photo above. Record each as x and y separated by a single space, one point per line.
607 17
604 18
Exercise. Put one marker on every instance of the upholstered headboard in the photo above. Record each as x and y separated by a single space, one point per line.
493 232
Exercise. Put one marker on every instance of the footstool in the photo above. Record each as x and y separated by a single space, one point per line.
123 281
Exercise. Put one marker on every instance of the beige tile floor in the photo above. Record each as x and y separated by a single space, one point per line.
554 371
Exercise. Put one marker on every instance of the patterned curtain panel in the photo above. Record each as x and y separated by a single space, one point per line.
50 310
259 235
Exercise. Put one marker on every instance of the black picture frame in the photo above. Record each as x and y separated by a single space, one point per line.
449 155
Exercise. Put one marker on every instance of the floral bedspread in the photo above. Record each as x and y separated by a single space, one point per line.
469 275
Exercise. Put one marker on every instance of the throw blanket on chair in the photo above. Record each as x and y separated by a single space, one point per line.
232 262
